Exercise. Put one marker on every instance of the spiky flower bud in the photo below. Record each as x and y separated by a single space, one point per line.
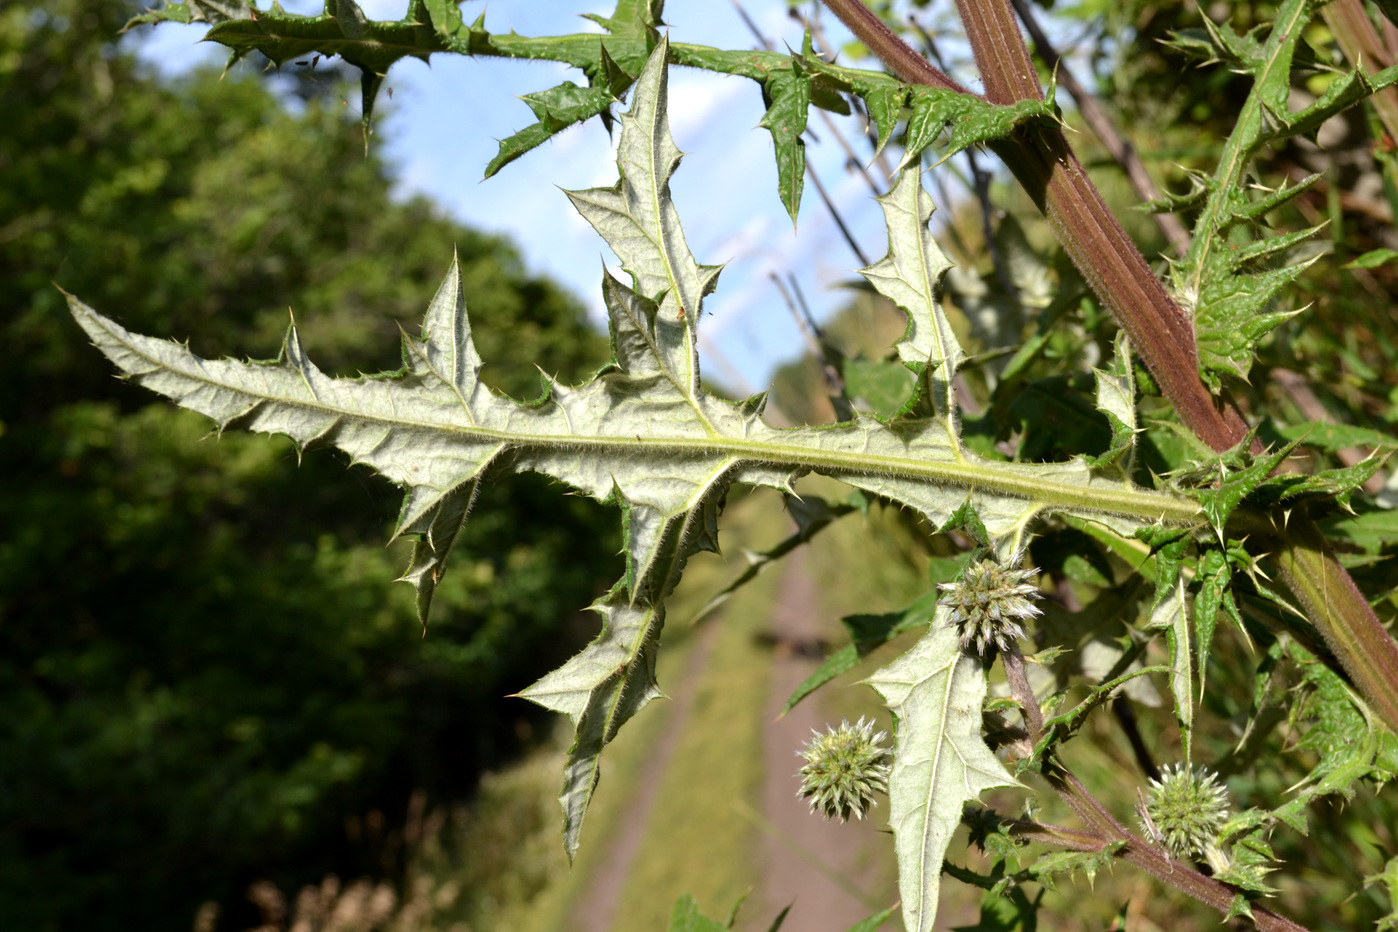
844 768
988 603
1185 809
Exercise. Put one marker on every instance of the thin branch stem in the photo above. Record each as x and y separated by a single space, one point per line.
1154 860
1107 829
835 214
902 60
1022 692
1126 717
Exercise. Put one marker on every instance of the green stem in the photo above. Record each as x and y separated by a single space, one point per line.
1330 599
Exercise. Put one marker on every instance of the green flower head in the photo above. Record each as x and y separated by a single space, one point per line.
988 604
1185 809
844 768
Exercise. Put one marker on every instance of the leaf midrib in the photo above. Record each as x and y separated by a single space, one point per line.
1140 503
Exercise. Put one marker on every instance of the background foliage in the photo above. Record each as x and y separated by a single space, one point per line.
206 673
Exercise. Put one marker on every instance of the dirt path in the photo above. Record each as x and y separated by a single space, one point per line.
821 869
596 909
824 870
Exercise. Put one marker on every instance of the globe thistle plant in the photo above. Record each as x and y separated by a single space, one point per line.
1184 810
844 768
989 602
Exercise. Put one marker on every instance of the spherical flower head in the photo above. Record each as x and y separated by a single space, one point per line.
989 602
1187 808
844 768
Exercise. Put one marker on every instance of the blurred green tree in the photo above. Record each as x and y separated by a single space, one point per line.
203 681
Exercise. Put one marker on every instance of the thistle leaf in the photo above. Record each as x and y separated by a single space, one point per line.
1171 613
642 434
909 277
556 109
940 761
1116 398
787 95
1232 300
194 11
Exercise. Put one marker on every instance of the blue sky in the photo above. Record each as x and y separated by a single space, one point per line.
440 129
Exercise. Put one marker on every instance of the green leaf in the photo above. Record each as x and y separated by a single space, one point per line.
1116 398
1327 485
195 11
1389 878
964 120
685 917
636 18
867 634
372 46
1334 437
886 103
638 220
909 277
1372 530
1213 575
787 96
882 387
1228 491
940 760
557 109
1171 613
1372 259
1232 314
873 922
1060 728
1232 302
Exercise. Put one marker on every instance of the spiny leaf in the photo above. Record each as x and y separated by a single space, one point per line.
1225 493
1231 302
909 276
787 96
342 29
638 220
557 109
1389 876
642 433
1171 614
935 692
1214 575
194 11
1232 314
965 120
635 18
1116 398
1060 728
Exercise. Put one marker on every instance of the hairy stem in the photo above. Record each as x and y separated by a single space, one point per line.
1102 824
1044 163
1023 693
1095 117
1153 859
1335 605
